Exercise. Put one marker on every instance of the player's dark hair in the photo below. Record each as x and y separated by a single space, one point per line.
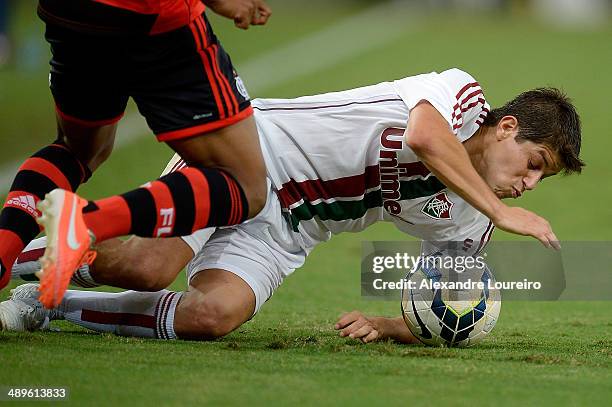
546 116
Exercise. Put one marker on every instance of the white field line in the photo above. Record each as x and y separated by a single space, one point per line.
345 39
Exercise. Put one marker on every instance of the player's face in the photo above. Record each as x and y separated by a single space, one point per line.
512 167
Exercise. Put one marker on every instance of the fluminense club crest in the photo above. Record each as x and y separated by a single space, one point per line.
438 207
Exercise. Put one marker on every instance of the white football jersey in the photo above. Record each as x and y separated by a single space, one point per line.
339 163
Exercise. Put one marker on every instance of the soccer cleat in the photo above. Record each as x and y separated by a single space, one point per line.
23 312
24 291
68 243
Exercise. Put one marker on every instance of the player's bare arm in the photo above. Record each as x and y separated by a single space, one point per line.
429 136
243 12
368 329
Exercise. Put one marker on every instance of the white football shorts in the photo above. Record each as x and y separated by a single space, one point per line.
262 251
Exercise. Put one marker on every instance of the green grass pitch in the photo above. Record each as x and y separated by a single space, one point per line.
553 353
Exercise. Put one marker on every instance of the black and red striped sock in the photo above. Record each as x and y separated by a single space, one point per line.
177 204
55 166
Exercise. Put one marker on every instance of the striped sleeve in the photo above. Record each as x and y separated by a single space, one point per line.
470 108
454 93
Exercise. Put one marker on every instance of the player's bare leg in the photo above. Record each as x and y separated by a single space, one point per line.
92 145
140 264
216 303
225 185
134 264
66 164
193 99
234 149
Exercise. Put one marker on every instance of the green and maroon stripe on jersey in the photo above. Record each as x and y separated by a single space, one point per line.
349 198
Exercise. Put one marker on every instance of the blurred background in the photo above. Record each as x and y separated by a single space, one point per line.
317 46
555 353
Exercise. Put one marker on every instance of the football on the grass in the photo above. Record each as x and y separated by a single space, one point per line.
445 308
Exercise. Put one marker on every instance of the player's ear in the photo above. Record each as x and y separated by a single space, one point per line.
506 127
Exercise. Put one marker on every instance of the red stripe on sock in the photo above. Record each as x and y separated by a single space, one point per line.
83 171
232 199
118 318
10 243
239 207
164 205
113 218
201 196
164 316
232 189
237 204
47 169
30 255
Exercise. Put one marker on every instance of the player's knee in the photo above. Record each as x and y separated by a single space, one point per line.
92 145
102 155
212 319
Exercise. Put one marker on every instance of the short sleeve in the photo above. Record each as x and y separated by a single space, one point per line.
454 93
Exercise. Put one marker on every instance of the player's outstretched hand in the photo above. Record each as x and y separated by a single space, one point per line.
243 12
526 223
357 326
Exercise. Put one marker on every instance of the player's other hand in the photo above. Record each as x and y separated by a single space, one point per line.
243 12
526 223
357 326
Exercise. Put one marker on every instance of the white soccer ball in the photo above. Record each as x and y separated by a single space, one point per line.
440 316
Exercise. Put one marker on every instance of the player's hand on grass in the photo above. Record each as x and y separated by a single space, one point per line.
526 223
243 12
357 326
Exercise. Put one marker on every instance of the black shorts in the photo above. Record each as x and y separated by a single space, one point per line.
183 81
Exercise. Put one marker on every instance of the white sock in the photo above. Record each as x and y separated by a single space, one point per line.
82 278
27 267
129 313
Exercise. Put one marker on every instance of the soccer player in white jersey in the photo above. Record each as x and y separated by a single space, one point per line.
424 152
